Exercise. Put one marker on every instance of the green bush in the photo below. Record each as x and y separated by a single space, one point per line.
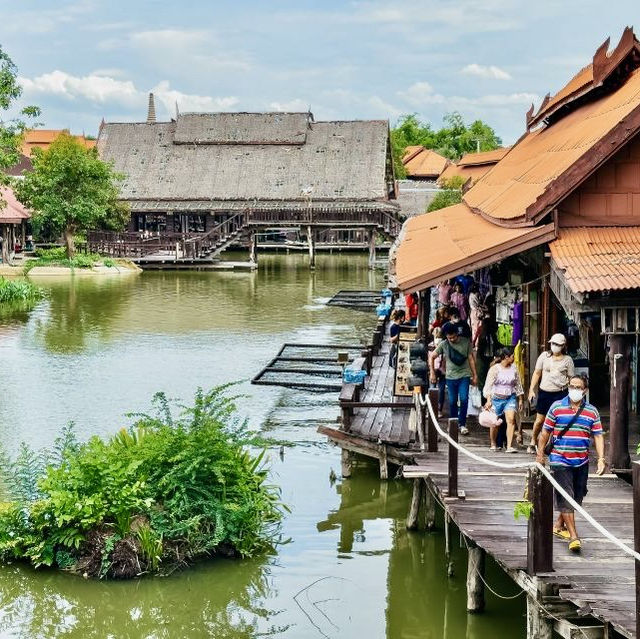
57 257
18 291
163 493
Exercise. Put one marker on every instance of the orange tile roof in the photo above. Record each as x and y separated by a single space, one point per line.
42 138
548 163
421 162
442 244
473 165
598 258
484 157
13 211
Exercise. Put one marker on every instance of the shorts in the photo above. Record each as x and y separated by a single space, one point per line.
501 404
574 480
546 398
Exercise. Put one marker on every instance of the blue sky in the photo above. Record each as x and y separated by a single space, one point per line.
82 60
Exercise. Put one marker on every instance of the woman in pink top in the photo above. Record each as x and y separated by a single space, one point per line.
459 301
503 389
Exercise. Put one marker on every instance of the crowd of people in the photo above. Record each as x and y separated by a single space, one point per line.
463 346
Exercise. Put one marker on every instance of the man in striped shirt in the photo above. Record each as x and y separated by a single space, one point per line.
569 459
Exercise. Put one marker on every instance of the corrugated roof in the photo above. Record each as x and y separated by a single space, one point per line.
344 160
484 157
423 163
598 258
13 211
465 172
442 244
548 163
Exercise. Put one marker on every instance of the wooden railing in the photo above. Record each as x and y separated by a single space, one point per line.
204 243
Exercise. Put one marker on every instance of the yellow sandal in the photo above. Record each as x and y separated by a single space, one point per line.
562 533
575 545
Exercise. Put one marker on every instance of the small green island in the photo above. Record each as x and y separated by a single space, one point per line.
155 497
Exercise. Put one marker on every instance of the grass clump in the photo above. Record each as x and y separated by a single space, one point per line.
18 291
57 256
152 498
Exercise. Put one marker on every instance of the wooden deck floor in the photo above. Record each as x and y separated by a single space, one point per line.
599 582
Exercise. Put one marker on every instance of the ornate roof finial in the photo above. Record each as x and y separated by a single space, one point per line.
151 113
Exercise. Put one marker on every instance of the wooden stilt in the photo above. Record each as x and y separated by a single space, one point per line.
620 366
346 464
636 537
384 466
416 500
312 247
253 249
372 249
475 583
432 433
538 625
540 524
429 507
447 545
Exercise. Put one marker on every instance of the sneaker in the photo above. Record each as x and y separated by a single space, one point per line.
464 430
493 449
531 449
511 449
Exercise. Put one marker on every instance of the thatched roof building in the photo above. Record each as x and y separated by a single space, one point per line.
225 162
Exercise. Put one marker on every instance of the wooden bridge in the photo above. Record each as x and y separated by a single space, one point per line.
591 594
149 246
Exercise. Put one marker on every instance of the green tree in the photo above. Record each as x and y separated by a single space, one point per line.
452 141
450 194
72 190
11 129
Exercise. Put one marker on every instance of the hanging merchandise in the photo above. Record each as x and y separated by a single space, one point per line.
505 334
465 281
505 300
518 322
444 292
433 306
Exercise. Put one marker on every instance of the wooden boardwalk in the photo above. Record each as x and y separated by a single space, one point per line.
591 594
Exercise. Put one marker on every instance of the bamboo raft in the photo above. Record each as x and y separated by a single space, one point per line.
592 594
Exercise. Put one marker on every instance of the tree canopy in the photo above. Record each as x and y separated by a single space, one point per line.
452 141
72 190
450 194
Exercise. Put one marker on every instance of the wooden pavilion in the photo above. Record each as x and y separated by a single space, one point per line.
13 224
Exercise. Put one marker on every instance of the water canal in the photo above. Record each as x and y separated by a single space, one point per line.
96 349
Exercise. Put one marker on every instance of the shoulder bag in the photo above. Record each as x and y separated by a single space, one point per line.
552 440
456 356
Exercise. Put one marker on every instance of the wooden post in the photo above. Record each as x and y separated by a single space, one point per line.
620 366
372 249
432 433
453 458
346 463
421 418
414 510
540 525
253 248
447 544
384 466
429 508
538 626
475 575
636 536
312 247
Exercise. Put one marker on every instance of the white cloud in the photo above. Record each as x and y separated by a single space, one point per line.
295 106
102 89
491 72
420 94
95 88
191 102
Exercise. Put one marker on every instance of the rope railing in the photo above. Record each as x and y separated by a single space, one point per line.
425 402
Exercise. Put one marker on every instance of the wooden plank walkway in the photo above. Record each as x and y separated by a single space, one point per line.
598 583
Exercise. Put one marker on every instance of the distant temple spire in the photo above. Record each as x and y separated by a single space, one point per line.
151 113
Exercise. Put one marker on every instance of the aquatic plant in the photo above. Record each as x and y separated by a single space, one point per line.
154 497
18 291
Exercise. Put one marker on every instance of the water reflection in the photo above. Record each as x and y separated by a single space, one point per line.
421 600
224 600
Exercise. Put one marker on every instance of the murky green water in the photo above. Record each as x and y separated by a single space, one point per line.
98 348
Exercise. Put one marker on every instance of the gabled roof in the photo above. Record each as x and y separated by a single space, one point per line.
549 162
42 139
13 212
607 68
420 162
473 165
598 258
266 161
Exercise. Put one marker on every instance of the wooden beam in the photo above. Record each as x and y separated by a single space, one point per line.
636 537
620 366
540 524
432 433
453 459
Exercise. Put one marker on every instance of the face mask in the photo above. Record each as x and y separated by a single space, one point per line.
555 349
575 394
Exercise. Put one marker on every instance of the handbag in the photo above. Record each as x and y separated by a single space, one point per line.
552 440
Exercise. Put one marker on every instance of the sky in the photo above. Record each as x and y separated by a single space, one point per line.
84 60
